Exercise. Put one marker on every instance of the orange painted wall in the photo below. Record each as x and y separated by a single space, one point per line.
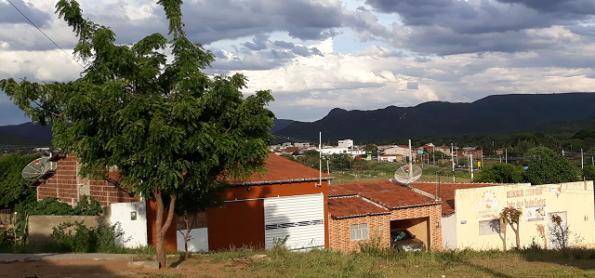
241 223
170 235
237 224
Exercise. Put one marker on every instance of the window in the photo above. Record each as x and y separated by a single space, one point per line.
359 231
489 227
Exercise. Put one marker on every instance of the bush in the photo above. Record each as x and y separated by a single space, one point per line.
6 238
76 237
589 172
51 206
501 173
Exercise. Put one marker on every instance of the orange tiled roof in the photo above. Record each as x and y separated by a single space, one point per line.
447 192
384 193
277 169
353 206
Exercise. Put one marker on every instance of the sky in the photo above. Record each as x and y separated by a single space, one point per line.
352 54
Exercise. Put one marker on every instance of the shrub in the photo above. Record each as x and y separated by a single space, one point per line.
6 238
76 237
51 206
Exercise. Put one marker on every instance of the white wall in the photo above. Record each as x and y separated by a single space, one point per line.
135 230
535 202
199 240
449 231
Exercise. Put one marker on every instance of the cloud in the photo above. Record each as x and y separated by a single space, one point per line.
8 13
260 54
447 27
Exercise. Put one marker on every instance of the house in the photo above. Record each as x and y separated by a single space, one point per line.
285 204
346 143
334 150
397 153
286 201
363 212
474 222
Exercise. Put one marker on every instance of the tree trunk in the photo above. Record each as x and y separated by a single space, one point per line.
186 235
517 235
503 230
163 227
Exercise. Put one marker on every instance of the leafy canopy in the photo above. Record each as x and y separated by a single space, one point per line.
164 123
501 173
14 189
548 167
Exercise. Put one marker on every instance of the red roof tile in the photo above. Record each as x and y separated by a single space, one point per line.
385 193
447 192
353 206
277 169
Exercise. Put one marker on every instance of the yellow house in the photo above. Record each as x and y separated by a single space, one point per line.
474 219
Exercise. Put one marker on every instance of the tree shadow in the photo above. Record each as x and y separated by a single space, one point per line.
70 268
581 258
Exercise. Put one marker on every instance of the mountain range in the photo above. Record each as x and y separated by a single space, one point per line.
498 114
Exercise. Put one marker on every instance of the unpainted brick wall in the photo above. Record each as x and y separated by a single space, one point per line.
65 185
379 227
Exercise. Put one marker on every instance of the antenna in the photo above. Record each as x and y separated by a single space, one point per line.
320 158
408 173
38 168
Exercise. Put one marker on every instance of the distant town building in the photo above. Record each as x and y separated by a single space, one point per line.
346 143
301 145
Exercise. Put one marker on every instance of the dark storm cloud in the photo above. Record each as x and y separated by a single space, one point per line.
208 21
584 7
8 14
447 27
260 54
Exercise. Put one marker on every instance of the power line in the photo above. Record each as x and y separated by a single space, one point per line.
43 33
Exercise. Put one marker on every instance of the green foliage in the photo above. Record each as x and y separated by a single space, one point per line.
589 172
76 237
165 124
14 189
51 206
501 173
548 167
7 239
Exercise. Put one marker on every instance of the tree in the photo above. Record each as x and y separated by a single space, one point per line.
559 232
189 205
14 189
501 173
165 125
511 216
589 172
548 167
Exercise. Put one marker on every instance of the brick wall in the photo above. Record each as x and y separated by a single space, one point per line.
68 187
379 227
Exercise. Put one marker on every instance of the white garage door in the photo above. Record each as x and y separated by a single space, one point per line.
297 220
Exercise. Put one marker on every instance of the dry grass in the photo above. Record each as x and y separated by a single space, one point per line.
321 263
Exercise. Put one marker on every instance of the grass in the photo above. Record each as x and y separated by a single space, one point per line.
386 263
381 170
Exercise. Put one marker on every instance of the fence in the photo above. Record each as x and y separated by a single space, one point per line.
7 218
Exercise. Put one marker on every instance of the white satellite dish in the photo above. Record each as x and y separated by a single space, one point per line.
407 174
38 168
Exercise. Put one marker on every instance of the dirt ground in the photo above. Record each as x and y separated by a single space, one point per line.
112 268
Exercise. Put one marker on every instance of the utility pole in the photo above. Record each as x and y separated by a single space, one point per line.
433 155
592 161
452 160
320 158
506 155
410 161
328 173
582 160
471 165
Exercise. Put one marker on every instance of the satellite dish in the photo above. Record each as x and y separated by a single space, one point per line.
38 168
407 174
